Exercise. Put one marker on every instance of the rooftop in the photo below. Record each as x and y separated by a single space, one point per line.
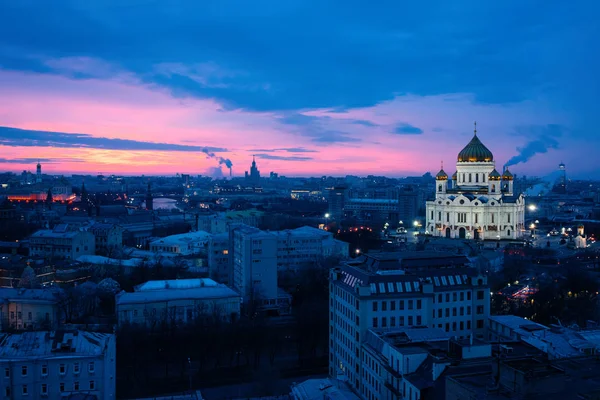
53 344
176 284
48 233
14 295
184 238
168 290
317 389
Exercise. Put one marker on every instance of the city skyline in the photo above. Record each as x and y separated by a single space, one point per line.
145 88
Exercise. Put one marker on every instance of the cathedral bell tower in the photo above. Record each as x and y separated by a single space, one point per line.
507 183
441 181
494 182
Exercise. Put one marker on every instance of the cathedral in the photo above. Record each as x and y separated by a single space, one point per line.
479 203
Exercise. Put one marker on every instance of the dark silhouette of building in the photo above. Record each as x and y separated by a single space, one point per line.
337 200
561 183
149 198
253 178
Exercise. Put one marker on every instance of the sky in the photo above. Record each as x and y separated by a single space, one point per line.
310 88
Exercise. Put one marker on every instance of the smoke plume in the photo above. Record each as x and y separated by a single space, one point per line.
221 160
546 139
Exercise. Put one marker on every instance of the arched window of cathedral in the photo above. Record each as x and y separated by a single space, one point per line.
464 180
493 190
483 177
508 232
477 178
439 188
470 178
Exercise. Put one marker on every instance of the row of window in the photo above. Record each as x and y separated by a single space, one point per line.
44 388
461 217
392 320
62 369
29 315
384 305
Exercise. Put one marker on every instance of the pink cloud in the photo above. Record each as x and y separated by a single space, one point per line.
117 105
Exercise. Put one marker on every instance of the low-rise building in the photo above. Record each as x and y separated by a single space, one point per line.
305 246
61 242
183 244
56 365
555 341
109 237
22 309
528 377
178 301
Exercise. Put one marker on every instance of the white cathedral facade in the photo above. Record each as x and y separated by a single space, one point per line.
480 203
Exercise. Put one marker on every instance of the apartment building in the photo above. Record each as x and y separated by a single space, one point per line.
56 365
179 301
388 291
22 309
218 258
254 263
61 242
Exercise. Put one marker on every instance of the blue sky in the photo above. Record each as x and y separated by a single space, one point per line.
391 88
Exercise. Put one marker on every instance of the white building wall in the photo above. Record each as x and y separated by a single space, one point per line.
26 379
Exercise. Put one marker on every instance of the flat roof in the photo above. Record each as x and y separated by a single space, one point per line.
183 238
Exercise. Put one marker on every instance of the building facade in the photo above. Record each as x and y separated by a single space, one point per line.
22 309
61 243
387 292
55 365
109 237
254 263
178 302
218 258
183 244
480 204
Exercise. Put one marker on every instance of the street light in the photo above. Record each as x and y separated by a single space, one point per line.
357 251
532 207
327 215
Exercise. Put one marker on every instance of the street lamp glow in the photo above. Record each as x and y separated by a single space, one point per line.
400 222
327 215
532 226
416 223
357 251
532 207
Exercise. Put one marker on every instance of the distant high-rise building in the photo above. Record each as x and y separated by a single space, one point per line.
408 204
337 201
561 183
149 198
253 178
38 173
